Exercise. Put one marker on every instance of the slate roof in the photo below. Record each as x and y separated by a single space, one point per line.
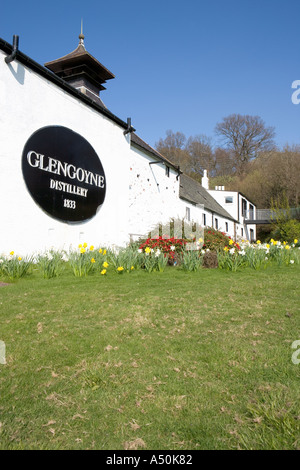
192 191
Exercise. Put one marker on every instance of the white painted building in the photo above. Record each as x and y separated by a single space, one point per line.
71 171
237 205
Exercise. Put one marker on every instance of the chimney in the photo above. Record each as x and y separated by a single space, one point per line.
205 182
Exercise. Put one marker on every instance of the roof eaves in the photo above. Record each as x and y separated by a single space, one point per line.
45 73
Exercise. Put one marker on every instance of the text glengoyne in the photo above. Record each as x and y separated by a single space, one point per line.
52 165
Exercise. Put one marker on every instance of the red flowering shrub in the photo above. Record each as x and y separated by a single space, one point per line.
169 246
173 247
215 240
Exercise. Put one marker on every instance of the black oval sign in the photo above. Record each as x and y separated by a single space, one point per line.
63 174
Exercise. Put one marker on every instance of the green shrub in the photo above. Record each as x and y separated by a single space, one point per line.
287 231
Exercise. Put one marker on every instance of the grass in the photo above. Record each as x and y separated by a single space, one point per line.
169 360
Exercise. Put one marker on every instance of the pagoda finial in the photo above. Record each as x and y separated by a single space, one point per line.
81 35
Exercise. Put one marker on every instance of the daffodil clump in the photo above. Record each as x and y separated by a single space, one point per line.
259 255
50 263
86 260
14 266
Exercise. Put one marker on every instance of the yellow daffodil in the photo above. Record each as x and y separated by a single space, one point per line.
82 250
147 250
92 248
287 247
19 258
120 269
267 245
12 253
258 242
104 252
296 241
132 268
100 251
226 248
105 264
85 245
80 245
231 242
103 272
93 260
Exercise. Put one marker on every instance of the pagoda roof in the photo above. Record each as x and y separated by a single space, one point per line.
80 56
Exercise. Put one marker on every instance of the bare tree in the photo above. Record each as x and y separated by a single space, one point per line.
193 155
173 148
245 136
224 162
201 156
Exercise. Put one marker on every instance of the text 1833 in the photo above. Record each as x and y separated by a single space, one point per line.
69 204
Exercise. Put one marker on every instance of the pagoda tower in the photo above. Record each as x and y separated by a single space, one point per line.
81 70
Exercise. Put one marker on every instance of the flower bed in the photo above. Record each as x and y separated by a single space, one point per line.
152 255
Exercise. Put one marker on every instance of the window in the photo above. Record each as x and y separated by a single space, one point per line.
228 200
242 232
251 235
251 212
244 207
188 214
226 226
203 220
167 171
216 224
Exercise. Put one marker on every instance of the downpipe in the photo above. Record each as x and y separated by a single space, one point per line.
12 56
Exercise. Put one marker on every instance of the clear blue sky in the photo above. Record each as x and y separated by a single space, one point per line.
179 65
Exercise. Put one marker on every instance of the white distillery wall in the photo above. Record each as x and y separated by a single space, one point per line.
197 213
218 222
153 196
30 102
194 214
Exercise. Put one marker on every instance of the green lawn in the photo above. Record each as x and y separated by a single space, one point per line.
168 360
